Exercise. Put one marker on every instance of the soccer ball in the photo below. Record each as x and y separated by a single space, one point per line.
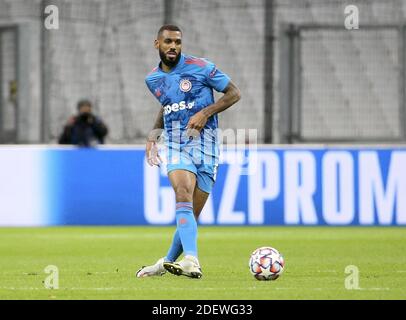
266 263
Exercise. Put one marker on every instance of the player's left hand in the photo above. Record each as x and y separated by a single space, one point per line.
197 122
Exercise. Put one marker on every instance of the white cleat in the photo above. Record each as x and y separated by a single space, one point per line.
156 269
188 266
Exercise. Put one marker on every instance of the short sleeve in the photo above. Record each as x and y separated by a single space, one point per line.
148 85
215 78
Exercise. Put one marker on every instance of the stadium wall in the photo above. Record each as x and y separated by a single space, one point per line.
306 185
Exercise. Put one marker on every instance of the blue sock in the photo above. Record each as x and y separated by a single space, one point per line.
175 249
187 227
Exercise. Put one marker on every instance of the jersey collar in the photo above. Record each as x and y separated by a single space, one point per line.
178 65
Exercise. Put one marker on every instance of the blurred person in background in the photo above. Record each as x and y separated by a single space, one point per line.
84 129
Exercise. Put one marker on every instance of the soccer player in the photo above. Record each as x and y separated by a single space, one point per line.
184 85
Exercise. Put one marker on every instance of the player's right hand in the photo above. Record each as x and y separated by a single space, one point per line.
153 157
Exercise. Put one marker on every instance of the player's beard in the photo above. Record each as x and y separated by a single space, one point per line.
167 62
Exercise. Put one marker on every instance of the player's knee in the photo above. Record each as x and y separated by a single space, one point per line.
183 194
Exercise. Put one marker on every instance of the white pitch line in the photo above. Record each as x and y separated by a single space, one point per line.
63 289
374 289
200 289
25 289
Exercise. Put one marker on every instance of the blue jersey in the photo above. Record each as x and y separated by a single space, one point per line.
184 91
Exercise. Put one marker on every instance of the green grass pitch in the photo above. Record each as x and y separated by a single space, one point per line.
100 263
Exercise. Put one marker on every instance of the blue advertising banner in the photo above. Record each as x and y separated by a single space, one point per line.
266 186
